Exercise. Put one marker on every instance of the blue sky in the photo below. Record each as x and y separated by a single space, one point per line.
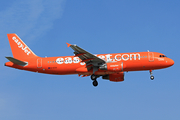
100 26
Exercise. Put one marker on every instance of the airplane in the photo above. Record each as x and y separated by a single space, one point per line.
108 66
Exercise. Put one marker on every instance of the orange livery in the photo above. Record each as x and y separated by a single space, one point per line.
83 63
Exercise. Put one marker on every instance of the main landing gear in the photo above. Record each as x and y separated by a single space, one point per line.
152 77
94 77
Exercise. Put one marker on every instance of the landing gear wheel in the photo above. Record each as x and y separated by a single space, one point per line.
152 77
95 83
93 77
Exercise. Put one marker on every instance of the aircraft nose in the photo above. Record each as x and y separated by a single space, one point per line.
170 62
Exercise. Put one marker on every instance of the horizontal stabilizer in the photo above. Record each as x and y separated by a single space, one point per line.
16 61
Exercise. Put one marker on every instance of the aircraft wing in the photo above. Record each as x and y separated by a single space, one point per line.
90 59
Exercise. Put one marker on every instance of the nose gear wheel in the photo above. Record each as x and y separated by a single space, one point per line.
152 77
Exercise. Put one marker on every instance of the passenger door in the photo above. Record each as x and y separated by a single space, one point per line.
151 56
39 63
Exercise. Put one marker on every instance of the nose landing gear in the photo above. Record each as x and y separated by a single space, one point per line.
94 77
152 77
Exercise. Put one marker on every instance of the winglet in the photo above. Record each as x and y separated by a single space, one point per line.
68 45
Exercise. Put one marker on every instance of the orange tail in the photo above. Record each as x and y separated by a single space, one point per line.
19 49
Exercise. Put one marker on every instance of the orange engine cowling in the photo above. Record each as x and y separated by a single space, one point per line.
116 77
113 66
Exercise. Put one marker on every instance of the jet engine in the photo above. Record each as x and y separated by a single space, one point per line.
113 66
116 77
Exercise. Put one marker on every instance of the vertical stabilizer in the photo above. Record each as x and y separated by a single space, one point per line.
19 49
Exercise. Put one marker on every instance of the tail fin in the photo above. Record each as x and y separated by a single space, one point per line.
19 49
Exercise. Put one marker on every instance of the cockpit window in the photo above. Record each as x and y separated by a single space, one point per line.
162 56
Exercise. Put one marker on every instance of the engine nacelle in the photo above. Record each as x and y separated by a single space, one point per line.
113 66
116 77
